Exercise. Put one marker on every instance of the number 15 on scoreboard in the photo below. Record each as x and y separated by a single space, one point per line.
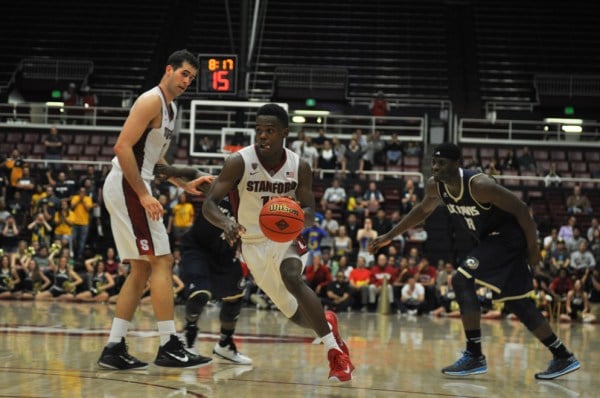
218 74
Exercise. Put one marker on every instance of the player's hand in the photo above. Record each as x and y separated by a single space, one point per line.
378 243
199 185
535 258
152 206
232 232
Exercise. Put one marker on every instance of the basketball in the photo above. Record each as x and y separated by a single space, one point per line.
281 219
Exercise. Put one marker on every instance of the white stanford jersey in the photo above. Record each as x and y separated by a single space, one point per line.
258 185
154 142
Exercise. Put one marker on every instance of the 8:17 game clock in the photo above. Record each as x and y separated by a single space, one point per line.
218 73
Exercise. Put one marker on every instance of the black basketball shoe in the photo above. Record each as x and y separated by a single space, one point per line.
117 357
174 355
191 332
559 367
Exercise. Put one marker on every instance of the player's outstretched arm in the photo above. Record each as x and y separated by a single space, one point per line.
416 216
227 180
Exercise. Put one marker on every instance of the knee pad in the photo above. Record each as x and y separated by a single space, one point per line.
195 304
230 311
466 297
527 312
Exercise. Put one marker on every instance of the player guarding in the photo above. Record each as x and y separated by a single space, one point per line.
257 173
505 243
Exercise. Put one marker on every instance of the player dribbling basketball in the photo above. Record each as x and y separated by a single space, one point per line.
257 173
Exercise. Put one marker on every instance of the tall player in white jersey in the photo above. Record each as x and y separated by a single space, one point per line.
136 217
258 173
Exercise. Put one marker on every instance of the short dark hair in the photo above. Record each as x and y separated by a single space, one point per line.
274 110
447 150
177 59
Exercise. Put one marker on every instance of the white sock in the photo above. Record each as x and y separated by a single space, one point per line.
118 330
165 330
329 342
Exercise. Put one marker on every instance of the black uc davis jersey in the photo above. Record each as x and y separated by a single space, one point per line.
205 236
479 219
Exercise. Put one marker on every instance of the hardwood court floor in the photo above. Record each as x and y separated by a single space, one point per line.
50 350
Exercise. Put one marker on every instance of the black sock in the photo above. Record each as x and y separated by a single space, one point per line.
474 341
226 337
556 347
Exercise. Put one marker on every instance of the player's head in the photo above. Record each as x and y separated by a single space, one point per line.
274 110
271 130
179 57
445 161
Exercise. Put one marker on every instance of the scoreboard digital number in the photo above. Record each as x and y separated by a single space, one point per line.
218 74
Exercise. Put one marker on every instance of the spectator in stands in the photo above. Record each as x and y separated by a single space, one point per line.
559 258
379 106
353 162
473 164
582 261
89 101
561 285
10 236
381 222
334 196
207 144
527 161
359 279
313 236
566 231
549 242
594 226
393 151
81 204
53 144
331 226
50 203
297 144
352 226
410 196
510 161
63 220
183 217
327 159
364 237
373 150
26 185
63 187
338 294
575 240
14 165
317 275
578 203
355 203
552 178
342 243
373 198
40 229
412 299
426 274
319 140
379 271
340 152
309 153
71 100
492 168
577 305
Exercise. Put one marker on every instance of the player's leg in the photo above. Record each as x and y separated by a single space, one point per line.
115 355
473 361
563 361
310 314
225 347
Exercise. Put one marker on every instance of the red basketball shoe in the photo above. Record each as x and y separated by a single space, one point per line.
333 325
340 367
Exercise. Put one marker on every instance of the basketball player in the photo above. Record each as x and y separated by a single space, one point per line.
505 243
210 269
257 173
136 217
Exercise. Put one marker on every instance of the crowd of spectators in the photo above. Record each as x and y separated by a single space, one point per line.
57 244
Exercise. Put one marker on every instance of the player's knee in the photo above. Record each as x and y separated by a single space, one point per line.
292 277
230 311
527 312
195 304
